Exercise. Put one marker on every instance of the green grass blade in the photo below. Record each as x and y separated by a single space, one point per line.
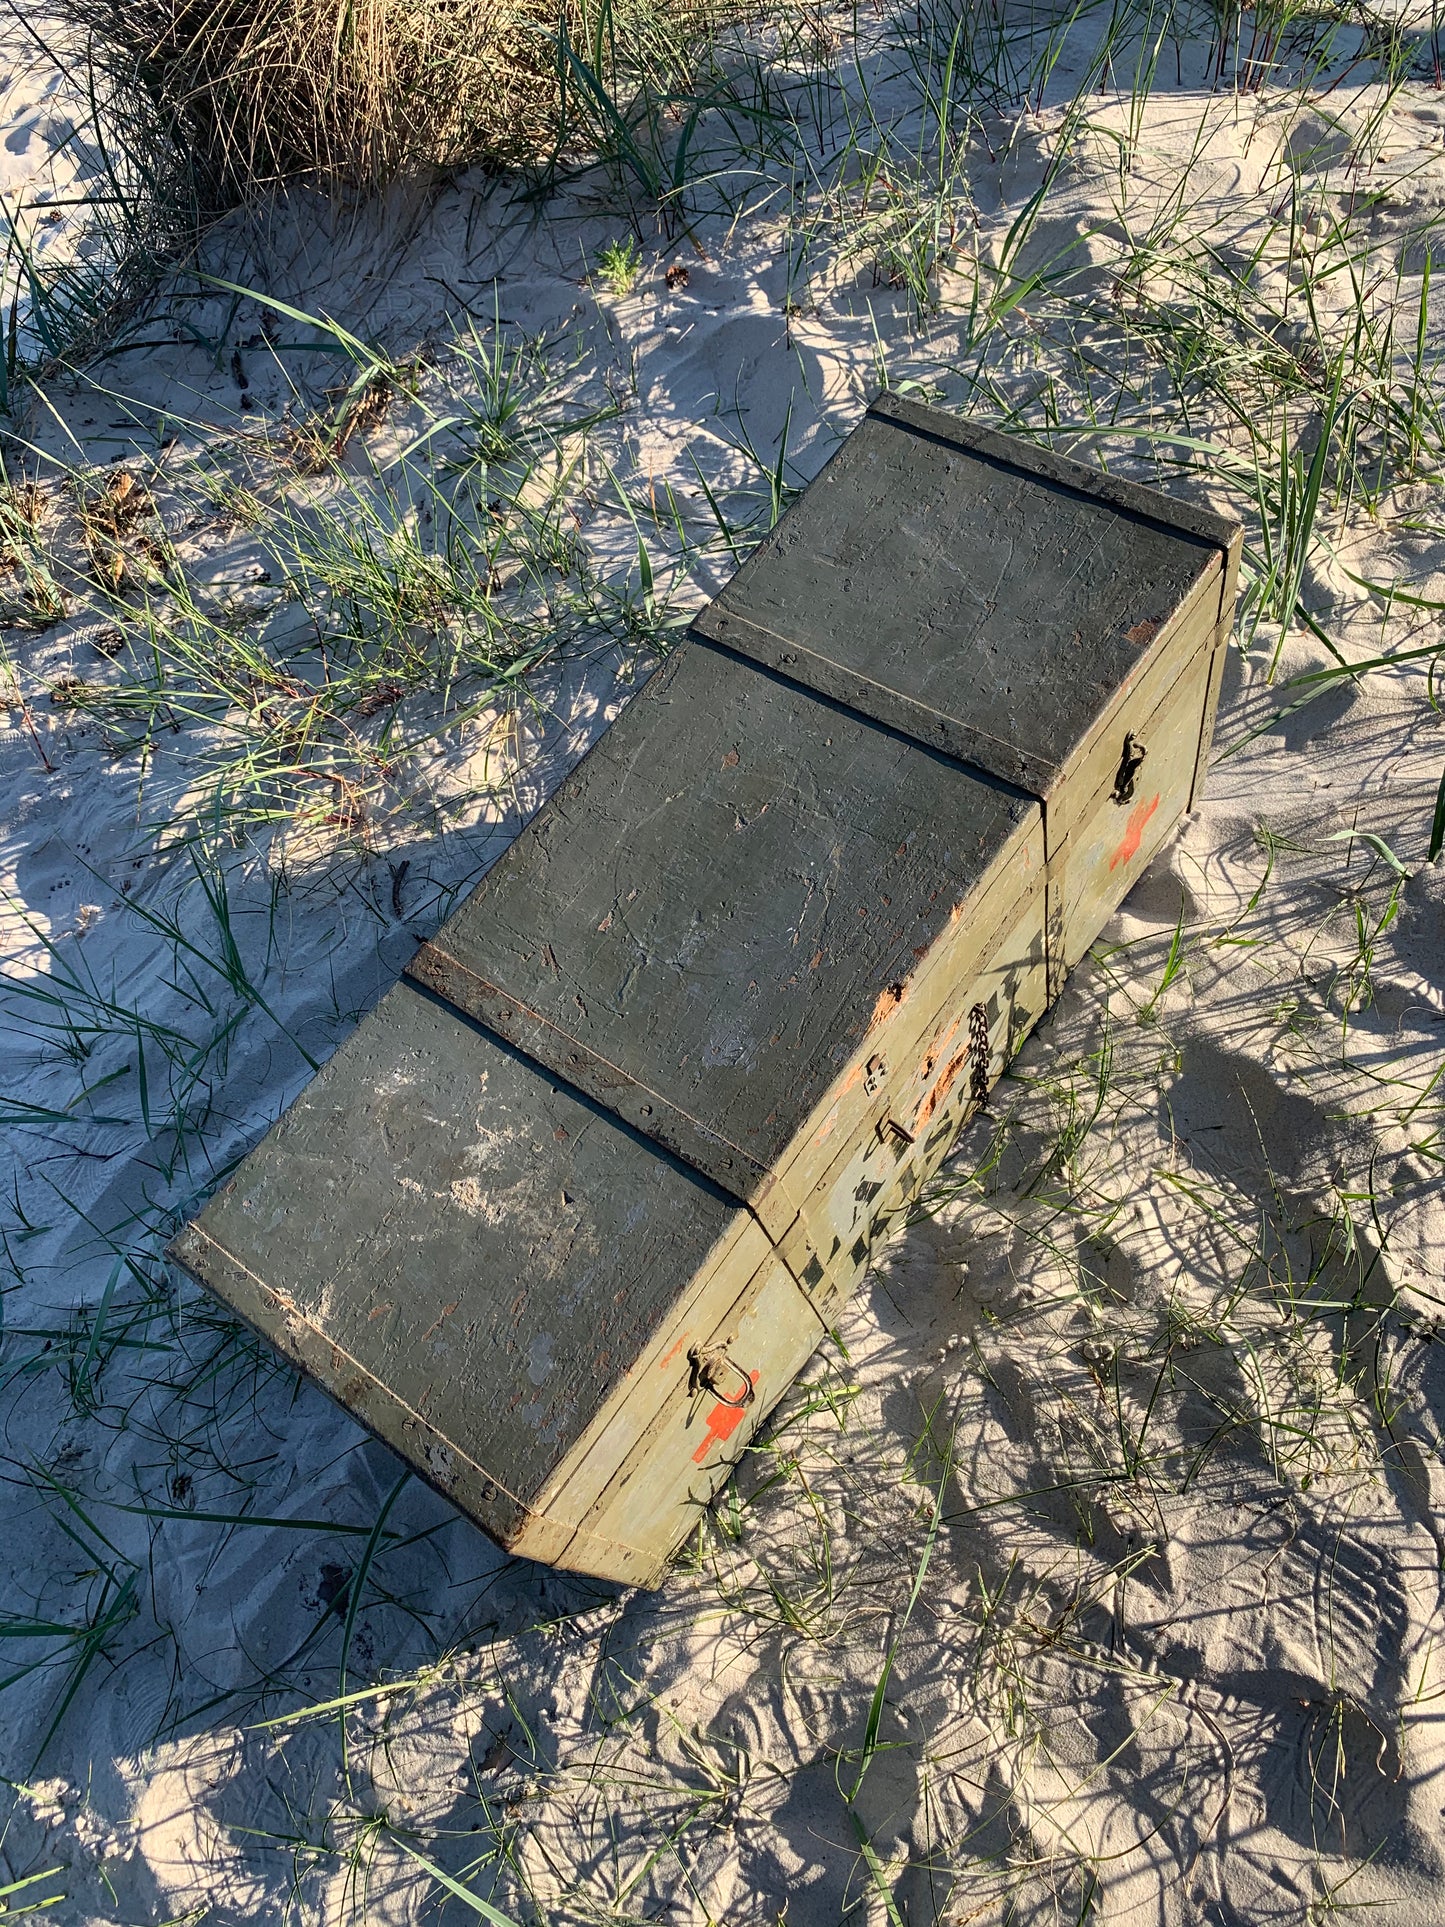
483 1908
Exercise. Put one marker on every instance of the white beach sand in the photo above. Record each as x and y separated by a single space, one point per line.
1157 1596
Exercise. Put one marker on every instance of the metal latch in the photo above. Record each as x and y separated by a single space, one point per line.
890 1127
1129 766
709 1373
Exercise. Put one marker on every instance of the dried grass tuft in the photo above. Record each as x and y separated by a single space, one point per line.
347 93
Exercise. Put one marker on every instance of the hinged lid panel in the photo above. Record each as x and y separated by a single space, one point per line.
985 596
453 1241
721 903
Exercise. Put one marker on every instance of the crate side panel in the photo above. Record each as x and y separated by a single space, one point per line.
1229 592
489 1247
664 1485
1117 839
1010 603
877 1081
632 1411
730 890
875 1176
1098 759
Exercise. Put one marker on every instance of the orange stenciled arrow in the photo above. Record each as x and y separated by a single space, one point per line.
722 1421
1133 833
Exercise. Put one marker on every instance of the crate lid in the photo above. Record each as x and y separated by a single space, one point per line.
718 905
984 595
468 1254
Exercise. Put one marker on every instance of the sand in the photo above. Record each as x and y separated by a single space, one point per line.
1124 1476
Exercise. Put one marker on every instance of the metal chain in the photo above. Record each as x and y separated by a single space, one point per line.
978 1047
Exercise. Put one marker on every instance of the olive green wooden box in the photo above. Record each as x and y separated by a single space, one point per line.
566 1214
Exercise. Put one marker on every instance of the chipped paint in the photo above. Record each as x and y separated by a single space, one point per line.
888 1000
941 1089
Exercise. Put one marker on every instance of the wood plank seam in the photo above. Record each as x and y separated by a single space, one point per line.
558 1051
929 728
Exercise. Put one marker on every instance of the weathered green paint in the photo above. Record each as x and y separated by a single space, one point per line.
469 1255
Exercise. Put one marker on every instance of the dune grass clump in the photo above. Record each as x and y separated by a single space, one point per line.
354 92
348 93
618 265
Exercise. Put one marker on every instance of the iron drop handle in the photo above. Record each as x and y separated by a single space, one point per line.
1129 765
709 1373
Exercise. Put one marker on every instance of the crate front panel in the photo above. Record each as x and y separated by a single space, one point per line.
724 897
1011 606
701 1431
1117 838
453 1241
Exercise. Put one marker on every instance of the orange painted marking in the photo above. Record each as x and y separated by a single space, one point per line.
941 1089
663 1363
722 1421
1133 833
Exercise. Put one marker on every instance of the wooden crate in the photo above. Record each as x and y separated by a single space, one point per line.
564 1217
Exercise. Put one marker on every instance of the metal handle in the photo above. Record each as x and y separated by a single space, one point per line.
708 1371
1129 766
